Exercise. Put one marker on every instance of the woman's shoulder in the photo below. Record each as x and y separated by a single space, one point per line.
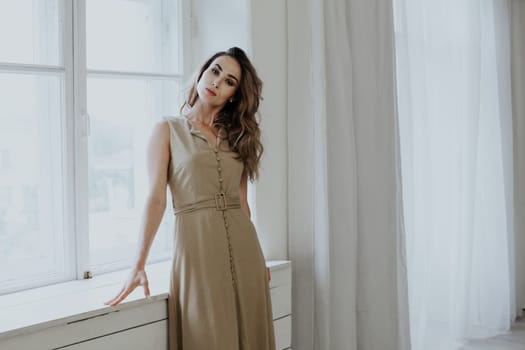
178 119
175 122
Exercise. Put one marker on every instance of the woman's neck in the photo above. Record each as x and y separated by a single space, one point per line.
203 114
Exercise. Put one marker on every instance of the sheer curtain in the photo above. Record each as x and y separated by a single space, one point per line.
454 100
345 219
518 111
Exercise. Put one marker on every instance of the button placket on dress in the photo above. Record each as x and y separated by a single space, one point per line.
223 208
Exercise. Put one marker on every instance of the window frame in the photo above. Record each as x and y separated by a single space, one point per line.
75 130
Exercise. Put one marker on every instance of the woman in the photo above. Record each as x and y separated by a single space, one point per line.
219 293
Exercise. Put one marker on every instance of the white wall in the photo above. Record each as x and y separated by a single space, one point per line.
259 27
518 86
269 51
217 26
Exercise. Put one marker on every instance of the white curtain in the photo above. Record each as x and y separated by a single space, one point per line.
455 111
345 223
518 109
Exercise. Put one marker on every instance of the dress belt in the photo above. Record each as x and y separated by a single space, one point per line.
221 201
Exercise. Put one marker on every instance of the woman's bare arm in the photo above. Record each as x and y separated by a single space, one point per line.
158 160
158 156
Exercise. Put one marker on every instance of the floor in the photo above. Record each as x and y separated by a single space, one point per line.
515 340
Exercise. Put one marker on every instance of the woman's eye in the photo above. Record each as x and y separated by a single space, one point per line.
230 83
215 71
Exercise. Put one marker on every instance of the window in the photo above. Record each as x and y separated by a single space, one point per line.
81 85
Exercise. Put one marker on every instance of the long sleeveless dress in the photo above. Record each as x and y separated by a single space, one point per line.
219 294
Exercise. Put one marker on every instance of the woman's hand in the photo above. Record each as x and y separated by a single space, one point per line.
136 278
268 274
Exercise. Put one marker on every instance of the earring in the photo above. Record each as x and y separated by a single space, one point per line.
231 100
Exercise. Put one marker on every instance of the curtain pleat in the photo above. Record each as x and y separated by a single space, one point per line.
346 227
455 113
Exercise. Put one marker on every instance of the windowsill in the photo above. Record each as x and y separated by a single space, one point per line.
36 309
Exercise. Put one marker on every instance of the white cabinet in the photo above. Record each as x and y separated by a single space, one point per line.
281 295
139 324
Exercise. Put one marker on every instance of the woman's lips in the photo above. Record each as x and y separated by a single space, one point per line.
211 92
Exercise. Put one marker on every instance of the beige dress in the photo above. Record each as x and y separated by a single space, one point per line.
219 294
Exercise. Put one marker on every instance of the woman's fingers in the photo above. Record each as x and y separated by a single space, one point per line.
122 296
136 278
108 302
143 281
114 298
146 288
124 292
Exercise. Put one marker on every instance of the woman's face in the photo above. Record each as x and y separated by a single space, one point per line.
219 81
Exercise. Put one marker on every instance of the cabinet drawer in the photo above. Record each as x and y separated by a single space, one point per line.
152 336
281 276
96 324
283 333
281 300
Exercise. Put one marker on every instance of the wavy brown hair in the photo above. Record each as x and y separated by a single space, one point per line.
237 120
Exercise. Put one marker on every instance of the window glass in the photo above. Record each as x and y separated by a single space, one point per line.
123 112
133 35
31 178
30 31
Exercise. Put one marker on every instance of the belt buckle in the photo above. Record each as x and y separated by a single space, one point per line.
220 201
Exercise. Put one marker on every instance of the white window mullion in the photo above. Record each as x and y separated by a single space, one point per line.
81 134
68 211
